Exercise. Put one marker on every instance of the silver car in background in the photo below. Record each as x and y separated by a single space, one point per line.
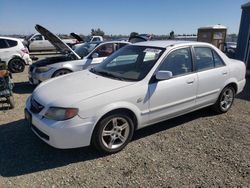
85 55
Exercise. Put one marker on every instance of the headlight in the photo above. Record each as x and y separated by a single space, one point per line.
42 69
60 114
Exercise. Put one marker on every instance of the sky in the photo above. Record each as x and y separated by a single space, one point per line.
118 16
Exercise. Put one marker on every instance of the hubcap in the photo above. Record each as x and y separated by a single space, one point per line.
115 132
226 99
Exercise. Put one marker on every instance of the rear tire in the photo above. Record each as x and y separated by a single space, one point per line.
16 65
225 100
61 72
113 133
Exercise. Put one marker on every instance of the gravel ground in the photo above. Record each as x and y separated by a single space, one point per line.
200 149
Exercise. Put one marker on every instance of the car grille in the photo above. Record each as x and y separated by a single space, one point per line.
35 107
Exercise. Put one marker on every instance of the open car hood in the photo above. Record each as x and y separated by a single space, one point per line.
77 37
56 41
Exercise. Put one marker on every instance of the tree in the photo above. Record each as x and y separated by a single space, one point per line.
99 32
133 34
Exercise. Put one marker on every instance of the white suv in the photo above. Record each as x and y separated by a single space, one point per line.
14 53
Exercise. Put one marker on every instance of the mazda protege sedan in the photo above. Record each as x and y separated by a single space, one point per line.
139 85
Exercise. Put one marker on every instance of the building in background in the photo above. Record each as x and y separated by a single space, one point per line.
243 44
215 34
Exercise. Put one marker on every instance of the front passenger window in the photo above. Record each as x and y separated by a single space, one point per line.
178 62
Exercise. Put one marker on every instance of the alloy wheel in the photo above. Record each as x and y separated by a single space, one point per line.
115 132
226 99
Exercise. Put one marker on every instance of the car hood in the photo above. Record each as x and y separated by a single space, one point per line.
56 41
51 60
64 91
77 37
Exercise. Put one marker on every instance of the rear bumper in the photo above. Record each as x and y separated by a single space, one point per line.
27 59
241 84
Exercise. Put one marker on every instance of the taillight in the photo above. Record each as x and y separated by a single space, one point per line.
25 50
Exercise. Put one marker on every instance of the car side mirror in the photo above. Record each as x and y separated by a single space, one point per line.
32 39
95 55
163 75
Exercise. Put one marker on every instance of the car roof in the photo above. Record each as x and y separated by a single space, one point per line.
167 43
9 38
114 41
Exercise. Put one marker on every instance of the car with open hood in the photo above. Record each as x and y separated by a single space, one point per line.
139 85
85 55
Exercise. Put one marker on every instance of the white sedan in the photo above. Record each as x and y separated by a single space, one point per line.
139 85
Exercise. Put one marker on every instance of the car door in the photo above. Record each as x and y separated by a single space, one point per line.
176 95
212 75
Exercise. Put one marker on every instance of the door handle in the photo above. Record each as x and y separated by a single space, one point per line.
224 73
190 81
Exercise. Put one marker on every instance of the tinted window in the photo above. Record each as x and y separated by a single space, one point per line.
178 62
217 60
204 58
3 44
11 43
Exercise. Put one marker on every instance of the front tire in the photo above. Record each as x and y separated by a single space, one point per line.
16 65
225 100
113 133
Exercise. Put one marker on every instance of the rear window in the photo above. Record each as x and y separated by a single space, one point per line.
11 43
3 44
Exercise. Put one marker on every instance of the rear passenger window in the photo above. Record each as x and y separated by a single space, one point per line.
11 43
206 58
178 62
203 58
217 60
3 44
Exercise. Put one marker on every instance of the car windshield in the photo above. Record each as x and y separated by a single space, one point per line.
85 49
131 63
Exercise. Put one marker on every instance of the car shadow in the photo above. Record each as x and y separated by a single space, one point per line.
23 88
245 94
23 153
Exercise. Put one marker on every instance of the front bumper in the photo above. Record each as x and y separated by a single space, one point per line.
72 133
36 78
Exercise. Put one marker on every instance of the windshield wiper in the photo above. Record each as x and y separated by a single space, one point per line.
105 73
